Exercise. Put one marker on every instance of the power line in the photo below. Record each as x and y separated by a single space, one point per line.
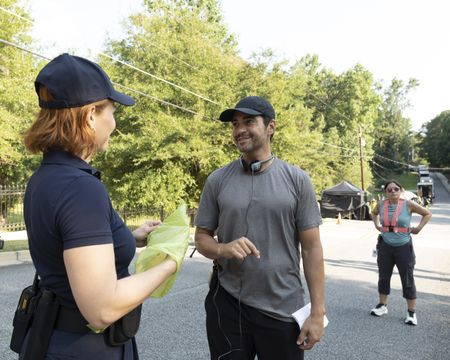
184 89
125 87
337 146
129 65
160 101
154 98
16 15
394 161
175 57
136 68
23 49
158 78
335 155
377 174
340 155
375 163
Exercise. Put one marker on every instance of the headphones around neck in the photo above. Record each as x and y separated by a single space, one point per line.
254 166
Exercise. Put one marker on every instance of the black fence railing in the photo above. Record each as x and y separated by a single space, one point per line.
11 214
11 207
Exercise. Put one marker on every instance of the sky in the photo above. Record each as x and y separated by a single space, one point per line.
391 38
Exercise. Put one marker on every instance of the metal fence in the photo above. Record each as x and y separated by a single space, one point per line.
11 207
11 215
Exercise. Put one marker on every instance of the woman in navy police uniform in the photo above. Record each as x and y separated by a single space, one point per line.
79 245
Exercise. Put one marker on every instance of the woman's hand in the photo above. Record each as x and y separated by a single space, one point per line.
141 233
415 230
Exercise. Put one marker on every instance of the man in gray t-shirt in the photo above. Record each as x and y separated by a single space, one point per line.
261 209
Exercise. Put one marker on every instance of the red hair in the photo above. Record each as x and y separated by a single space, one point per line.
67 129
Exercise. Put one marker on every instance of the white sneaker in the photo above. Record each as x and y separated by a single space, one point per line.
379 310
411 318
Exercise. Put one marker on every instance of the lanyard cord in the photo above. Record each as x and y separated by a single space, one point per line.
247 229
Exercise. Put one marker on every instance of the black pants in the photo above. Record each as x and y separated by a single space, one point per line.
64 345
239 332
405 259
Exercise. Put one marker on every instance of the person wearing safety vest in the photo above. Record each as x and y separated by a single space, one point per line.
392 217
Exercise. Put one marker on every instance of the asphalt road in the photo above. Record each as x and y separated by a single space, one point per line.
173 327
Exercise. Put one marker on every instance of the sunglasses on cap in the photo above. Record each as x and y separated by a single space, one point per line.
393 189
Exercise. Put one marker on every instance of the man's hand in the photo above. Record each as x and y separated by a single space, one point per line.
312 254
141 233
311 332
239 249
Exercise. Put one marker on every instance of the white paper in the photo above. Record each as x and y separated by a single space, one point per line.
302 314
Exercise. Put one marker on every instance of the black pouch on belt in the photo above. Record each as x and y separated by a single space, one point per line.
124 329
42 327
23 316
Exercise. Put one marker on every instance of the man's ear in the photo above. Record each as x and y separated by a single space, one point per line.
271 127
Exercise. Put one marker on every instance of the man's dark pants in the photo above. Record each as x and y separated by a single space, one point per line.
239 332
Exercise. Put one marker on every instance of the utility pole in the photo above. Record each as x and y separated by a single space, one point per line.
361 144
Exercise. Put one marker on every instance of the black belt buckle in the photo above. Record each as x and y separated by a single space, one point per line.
391 229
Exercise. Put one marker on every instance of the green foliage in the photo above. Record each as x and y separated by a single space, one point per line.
163 154
342 108
15 245
435 146
407 179
393 136
17 100
167 145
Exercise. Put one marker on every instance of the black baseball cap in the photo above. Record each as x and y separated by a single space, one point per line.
74 81
251 105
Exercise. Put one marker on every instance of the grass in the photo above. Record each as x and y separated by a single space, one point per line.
408 180
15 245
15 217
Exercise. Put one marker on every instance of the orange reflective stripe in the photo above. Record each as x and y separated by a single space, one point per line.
393 224
395 229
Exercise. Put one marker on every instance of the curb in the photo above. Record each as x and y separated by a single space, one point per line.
14 257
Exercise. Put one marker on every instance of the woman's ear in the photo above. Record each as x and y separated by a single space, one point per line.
92 117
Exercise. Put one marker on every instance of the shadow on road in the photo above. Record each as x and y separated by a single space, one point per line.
173 328
370 266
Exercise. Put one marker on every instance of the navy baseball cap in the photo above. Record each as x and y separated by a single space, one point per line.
74 81
251 105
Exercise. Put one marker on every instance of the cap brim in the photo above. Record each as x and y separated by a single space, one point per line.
122 98
228 114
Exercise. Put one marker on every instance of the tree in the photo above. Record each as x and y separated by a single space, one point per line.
393 134
342 106
435 146
17 100
163 154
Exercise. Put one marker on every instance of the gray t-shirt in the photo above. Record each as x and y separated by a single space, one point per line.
269 208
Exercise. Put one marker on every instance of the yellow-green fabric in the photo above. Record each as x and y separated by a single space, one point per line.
171 238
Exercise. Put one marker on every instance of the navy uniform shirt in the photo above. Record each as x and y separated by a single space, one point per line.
67 206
